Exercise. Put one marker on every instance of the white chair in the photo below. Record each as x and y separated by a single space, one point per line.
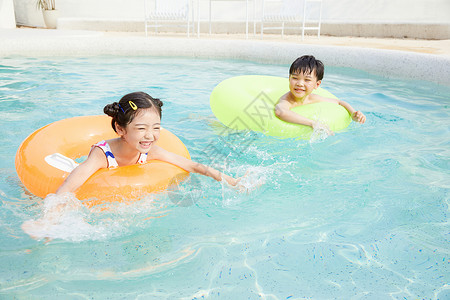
290 12
167 13
312 8
247 18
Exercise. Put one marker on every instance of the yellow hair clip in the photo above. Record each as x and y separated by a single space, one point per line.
132 105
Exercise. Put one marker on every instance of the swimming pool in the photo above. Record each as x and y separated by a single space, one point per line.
362 214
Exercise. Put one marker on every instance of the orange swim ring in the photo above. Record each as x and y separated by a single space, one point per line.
73 138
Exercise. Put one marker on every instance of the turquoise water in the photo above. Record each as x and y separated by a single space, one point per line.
359 215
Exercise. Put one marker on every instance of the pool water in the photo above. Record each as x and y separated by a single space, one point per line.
362 214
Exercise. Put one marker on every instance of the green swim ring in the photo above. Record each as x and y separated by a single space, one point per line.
248 102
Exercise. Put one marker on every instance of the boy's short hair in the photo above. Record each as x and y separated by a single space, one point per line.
307 64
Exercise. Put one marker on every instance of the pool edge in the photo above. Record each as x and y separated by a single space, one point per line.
388 63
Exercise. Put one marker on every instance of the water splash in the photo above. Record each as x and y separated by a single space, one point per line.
250 183
62 217
65 217
320 133
254 177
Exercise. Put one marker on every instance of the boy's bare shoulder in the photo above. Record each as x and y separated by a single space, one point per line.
314 98
286 99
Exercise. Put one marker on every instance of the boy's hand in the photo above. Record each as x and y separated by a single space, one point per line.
358 116
320 127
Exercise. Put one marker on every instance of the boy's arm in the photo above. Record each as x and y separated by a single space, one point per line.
283 112
356 115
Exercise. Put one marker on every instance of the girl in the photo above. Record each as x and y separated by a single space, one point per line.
137 120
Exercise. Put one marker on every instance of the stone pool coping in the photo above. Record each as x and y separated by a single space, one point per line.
392 58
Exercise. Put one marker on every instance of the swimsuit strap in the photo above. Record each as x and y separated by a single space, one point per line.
142 158
112 163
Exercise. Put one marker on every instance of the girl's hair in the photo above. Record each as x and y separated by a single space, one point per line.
124 111
307 64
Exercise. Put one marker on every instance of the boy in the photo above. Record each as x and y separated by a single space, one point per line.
305 75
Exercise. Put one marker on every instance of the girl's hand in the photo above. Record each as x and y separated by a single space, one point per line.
243 184
230 180
358 116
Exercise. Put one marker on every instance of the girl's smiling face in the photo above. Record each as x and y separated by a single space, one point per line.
143 131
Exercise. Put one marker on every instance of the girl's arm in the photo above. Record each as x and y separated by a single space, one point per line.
95 161
188 165
76 178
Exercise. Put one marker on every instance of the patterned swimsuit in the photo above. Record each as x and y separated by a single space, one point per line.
112 163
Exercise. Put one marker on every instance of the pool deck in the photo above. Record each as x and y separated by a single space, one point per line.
407 58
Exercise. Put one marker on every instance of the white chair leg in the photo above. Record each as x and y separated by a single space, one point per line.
262 29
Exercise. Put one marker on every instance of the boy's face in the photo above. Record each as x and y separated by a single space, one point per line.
303 84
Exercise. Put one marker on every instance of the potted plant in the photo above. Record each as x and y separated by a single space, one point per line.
49 12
